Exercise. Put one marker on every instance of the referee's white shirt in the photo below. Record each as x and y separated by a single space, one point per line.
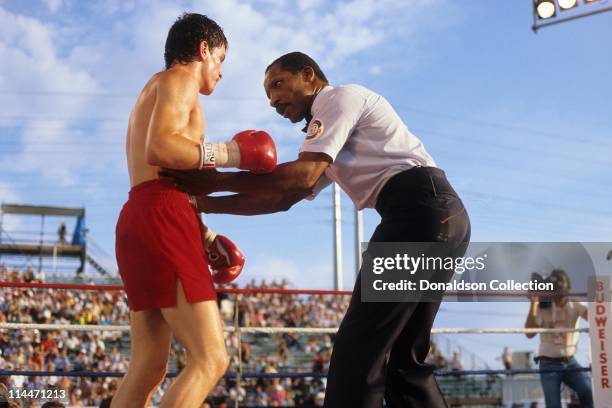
366 139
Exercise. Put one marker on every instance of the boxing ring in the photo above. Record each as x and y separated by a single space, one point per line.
240 374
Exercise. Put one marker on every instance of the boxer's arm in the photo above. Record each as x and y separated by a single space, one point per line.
167 143
249 204
299 175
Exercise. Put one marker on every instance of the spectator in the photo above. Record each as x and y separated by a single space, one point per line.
4 275
319 399
7 402
507 358
276 392
456 364
317 362
52 404
106 402
557 350
28 275
282 353
49 342
61 232
14 275
312 346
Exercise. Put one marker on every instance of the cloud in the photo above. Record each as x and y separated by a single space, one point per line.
10 195
111 7
31 63
118 56
330 32
76 72
53 5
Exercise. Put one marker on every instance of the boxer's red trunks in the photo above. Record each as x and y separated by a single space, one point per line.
158 240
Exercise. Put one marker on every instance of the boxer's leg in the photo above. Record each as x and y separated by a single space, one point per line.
199 328
150 336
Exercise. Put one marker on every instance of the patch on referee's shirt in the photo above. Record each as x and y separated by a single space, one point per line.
314 129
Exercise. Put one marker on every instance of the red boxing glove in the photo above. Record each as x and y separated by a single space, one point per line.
225 260
257 151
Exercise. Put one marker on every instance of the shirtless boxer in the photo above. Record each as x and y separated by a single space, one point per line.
159 242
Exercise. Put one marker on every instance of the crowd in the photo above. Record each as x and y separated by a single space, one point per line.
107 351
280 353
61 350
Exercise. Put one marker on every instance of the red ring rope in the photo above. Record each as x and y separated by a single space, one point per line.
87 286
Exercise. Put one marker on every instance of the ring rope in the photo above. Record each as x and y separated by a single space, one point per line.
281 330
439 373
252 291
239 342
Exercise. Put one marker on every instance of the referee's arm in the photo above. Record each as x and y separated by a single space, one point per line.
250 204
298 175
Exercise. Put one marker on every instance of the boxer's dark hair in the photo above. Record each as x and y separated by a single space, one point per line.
296 61
186 34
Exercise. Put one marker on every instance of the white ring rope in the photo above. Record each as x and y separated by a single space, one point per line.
73 327
280 330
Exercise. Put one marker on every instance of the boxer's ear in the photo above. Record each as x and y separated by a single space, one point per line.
204 50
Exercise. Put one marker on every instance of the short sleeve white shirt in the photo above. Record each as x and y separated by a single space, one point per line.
366 139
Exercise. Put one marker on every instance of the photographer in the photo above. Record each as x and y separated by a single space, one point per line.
557 350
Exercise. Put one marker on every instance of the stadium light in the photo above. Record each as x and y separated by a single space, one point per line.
545 8
567 4
545 11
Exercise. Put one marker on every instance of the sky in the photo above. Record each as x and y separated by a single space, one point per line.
519 121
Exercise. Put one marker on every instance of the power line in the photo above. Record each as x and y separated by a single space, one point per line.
101 119
112 147
112 94
496 125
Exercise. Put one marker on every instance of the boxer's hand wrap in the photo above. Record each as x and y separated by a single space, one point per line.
202 158
220 155
211 154
251 150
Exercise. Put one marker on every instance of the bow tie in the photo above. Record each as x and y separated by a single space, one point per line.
308 120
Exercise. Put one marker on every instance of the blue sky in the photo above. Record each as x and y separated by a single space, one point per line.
520 122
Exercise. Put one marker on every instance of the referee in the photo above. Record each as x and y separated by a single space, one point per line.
355 138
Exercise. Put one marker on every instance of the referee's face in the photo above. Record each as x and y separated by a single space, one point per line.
289 93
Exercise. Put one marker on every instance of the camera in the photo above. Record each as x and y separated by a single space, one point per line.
560 282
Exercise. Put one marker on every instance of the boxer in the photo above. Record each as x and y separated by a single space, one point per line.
163 251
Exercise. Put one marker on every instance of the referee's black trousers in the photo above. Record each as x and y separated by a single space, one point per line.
380 349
